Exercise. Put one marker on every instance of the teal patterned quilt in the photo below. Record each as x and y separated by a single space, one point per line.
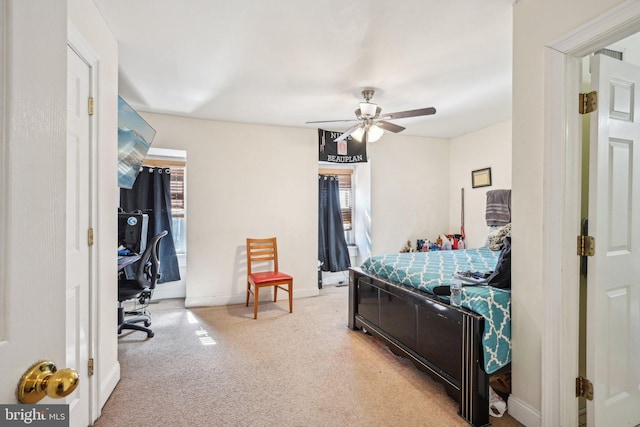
426 270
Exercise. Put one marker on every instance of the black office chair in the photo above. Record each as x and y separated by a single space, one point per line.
141 289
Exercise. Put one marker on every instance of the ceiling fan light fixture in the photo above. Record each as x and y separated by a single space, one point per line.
358 133
368 109
373 122
374 133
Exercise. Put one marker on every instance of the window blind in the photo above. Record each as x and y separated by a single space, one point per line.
176 183
346 197
177 191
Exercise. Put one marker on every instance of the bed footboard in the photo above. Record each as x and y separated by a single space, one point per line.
442 340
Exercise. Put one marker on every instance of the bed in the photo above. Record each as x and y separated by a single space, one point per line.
391 297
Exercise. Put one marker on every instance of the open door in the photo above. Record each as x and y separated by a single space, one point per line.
44 283
613 282
78 243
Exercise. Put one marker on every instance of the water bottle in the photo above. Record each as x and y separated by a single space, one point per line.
456 291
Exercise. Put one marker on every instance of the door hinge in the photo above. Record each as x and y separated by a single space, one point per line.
91 102
586 246
90 367
588 102
584 388
90 237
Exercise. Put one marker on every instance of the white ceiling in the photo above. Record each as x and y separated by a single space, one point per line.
286 62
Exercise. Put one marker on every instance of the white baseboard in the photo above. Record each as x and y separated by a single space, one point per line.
335 278
164 293
241 299
107 385
212 301
524 413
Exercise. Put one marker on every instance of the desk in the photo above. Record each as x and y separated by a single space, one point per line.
125 260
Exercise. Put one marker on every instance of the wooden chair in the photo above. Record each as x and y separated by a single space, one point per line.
264 252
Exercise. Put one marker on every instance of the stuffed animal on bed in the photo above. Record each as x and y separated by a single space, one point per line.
407 247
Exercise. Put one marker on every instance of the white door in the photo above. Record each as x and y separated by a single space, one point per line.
613 290
33 236
77 218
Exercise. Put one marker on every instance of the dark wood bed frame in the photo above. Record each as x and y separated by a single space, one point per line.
440 339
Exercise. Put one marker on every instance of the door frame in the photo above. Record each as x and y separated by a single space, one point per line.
562 164
78 44
4 198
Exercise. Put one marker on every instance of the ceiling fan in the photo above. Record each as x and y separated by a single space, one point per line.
372 124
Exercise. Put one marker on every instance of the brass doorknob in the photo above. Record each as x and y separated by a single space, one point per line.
44 379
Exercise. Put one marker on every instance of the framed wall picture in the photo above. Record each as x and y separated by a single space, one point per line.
481 178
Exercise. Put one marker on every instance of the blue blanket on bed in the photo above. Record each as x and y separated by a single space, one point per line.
426 270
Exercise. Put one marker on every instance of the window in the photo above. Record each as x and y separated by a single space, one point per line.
178 200
346 199
178 210
346 194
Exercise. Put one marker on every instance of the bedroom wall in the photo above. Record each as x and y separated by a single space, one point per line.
489 147
409 190
239 174
536 24
244 181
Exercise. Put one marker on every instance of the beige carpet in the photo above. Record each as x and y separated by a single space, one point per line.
217 366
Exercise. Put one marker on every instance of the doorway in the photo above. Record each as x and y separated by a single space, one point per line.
355 209
176 161
625 54
612 319
560 353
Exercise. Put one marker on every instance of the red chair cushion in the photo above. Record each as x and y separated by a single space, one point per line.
269 276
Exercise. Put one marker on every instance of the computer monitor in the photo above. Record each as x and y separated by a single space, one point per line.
132 231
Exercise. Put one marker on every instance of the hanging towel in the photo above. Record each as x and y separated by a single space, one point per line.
498 211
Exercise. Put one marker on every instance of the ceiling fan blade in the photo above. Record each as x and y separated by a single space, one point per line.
331 121
410 113
347 133
391 127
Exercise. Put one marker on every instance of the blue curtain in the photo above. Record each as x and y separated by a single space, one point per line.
332 246
151 194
